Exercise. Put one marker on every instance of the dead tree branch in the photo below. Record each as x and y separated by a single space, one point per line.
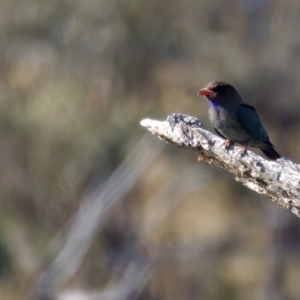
279 180
94 210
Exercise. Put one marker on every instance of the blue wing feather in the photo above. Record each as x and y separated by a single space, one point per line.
251 122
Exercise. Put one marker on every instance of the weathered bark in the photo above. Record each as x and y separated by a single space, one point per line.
279 180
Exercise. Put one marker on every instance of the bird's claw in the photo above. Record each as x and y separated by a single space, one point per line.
226 143
243 150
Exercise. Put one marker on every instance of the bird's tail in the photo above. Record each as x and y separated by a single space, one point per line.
270 152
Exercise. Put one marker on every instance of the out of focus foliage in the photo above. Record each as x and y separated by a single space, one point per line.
76 78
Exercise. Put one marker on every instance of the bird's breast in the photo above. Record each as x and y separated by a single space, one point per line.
225 122
214 113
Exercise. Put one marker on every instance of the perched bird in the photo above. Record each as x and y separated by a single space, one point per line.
235 120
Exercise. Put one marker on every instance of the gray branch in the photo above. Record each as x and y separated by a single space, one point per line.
279 180
94 209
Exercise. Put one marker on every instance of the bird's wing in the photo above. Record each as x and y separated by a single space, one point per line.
219 133
251 122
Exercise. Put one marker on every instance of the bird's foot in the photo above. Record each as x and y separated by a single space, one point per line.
226 143
243 150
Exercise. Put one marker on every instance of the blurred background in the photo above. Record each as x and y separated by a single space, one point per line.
95 207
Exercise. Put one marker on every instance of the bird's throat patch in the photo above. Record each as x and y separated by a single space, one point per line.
213 105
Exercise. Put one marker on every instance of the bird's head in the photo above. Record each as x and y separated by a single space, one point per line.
217 91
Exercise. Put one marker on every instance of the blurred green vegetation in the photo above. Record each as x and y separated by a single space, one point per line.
76 78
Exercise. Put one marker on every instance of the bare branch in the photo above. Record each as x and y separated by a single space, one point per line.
279 180
94 210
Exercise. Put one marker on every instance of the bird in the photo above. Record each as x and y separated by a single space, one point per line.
235 120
